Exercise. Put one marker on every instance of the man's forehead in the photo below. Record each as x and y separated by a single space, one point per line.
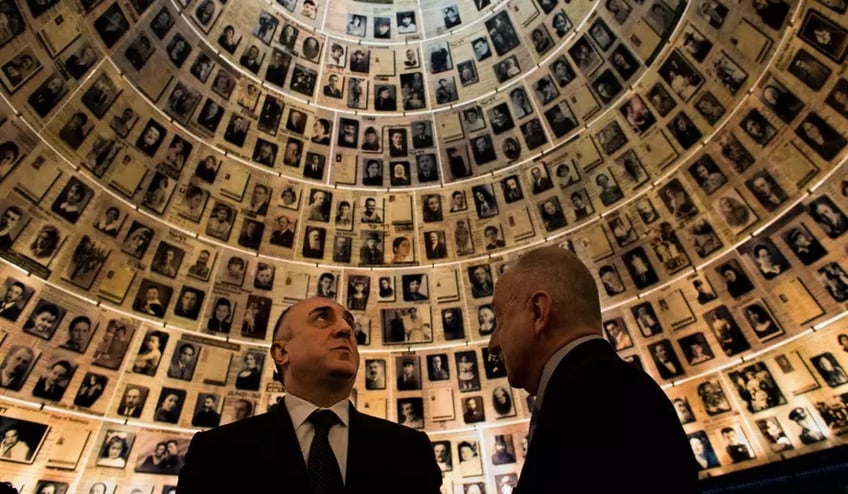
312 303
503 289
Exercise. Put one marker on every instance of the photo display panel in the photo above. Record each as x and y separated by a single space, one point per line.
174 175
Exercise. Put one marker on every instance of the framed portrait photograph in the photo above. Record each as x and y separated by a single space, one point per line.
109 352
768 259
728 73
617 334
838 97
762 321
757 388
19 69
44 319
160 453
406 325
665 359
72 200
803 244
79 330
820 136
115 448
809 70
23 439
780 100
680 75
17 365
696 349
15 297
826 36
152 298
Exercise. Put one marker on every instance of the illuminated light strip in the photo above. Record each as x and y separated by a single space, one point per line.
829 174
747 357
832 320
164 323
798 200
387 349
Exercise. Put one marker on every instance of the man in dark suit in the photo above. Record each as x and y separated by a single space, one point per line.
207 416
541 182
10 217
421 138
370 253
52 385
317 358
435 247
284 234
407 379
132 403
12 301
314 167
549 337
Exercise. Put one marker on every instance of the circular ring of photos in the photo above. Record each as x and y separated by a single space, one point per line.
176 173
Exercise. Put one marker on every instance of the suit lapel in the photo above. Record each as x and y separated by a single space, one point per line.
282 450
357 445
590 351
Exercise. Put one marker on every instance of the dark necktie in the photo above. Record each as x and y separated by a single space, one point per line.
325 477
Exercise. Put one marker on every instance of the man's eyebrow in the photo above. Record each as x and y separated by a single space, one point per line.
348 316
319 310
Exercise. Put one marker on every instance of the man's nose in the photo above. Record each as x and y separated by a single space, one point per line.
343 329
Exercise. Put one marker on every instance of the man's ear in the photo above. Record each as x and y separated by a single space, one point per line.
540 306
279 353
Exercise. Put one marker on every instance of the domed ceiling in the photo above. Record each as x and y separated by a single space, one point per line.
174 174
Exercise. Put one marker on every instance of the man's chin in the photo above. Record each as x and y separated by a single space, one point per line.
344 369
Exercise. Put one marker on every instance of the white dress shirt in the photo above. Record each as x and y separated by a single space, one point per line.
300 410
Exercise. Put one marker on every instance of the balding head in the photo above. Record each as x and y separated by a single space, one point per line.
315 351
564 276
546 299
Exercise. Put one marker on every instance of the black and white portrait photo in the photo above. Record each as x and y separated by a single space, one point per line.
21 439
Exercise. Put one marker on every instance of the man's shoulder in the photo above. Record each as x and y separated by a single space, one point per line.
385 428
244 430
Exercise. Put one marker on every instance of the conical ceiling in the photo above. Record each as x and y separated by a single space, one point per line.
174 174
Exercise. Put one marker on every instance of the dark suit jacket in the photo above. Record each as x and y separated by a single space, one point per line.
249 455
41 390
438 252
11 313
317 173
583 424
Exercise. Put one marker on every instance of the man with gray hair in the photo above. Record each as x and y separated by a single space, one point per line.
549 338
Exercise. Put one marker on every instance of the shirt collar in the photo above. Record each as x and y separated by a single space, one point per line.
300 410
553 363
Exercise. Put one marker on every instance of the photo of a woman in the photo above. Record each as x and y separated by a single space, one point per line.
251 371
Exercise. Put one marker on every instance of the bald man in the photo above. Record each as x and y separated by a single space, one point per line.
315 352
593 413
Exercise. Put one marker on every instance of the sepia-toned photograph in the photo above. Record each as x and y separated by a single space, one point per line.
21 439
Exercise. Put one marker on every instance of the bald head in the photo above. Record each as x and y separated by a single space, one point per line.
280 331
563 275
315 351
543 301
